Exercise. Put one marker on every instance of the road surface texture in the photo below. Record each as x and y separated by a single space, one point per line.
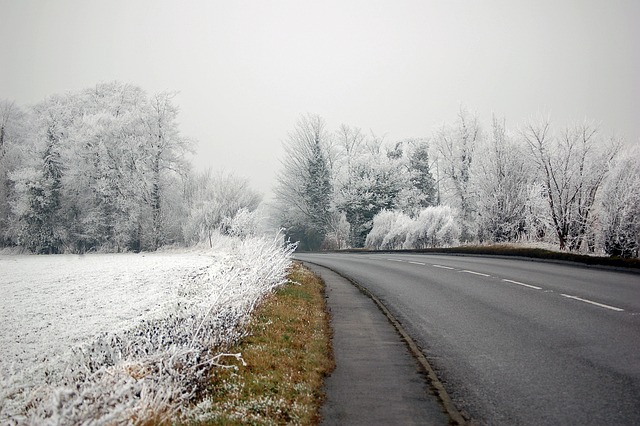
515 341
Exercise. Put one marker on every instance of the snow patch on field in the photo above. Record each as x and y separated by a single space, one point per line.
106 338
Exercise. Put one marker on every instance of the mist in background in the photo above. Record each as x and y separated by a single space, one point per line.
246 70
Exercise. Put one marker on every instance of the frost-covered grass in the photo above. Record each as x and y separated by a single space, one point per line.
288 353
103 339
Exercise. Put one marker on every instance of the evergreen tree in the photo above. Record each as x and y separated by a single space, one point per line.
421 178
304 192
42 226
372 186
318 189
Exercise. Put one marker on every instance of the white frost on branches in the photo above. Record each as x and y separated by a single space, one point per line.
620 217
432 227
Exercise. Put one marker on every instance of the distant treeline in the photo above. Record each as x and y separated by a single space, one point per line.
106 169
462 184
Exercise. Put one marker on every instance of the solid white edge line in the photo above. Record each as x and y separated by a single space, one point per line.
602 305
443 267
523 284
416 263
475 273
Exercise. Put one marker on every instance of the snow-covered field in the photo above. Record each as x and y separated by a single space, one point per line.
106 338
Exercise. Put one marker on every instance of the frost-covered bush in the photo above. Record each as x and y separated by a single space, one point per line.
337 236
214 202
433 227
244 224
155 368
389 230
382 224
397 235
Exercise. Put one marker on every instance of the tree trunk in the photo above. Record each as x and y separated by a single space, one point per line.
155 204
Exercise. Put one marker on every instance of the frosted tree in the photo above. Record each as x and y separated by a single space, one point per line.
213 204
572 167
350 141
418 185
502 182
165 149
620 211
104 180
538 222
421 176
244 224
304 190
372 185
10 113
321 200
349 144
338 233
102 171
318 188
40 206
12 123
456 145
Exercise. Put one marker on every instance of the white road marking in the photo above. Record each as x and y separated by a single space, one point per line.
417 263
602 305
475 273
396 260
523 284
443 267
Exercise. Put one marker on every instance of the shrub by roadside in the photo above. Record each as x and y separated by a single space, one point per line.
286 357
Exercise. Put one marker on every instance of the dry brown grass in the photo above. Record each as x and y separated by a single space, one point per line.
288 354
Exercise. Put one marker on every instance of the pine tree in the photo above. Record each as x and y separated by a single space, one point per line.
304 192
370 189
41 233
421 177
318 189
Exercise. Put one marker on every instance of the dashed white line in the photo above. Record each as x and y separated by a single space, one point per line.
443 267
475 273
523 284
602 305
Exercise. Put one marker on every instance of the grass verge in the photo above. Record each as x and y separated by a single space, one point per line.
287 354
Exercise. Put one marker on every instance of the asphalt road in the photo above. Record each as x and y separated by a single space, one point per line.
515 341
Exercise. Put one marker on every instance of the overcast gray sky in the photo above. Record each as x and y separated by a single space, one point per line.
246 70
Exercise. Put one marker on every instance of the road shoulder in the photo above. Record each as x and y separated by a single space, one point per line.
376 380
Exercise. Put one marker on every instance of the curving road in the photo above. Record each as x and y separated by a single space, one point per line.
515 341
